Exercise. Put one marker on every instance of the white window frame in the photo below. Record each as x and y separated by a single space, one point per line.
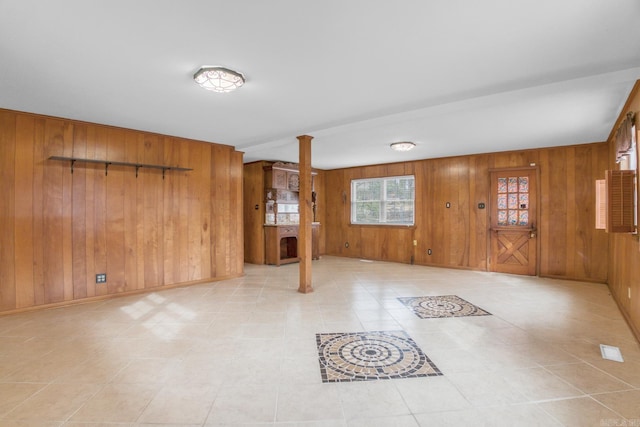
382 220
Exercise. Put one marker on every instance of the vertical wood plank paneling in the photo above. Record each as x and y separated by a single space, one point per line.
24 218
152 220
101 137
182 256
171 208
114 196
544 233
53 206
458 236
38 212
557 210
448 232
236 250
571 230
480 187
130 218
91 174
466 209
584 216
205 205
336 209
221 208
253 219
79 215
140 216
458 213
196 154
439 228
7 211
67 216
72 226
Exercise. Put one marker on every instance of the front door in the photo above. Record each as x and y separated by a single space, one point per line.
513 221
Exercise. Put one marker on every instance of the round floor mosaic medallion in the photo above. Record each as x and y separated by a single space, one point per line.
442 306
366 356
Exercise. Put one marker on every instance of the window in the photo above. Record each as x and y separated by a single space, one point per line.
617 194
629 160
389 200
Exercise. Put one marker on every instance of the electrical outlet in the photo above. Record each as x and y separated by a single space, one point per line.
101 278
415 243
629 292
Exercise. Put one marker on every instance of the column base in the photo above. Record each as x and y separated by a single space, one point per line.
305 289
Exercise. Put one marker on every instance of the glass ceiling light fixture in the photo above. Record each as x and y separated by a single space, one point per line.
402 146
218 79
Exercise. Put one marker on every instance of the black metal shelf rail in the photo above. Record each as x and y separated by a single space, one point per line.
108 163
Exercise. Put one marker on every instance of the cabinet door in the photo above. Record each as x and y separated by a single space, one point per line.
279 178
293 181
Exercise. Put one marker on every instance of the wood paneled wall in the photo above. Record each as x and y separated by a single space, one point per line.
58 229
624 257
254 249
570 246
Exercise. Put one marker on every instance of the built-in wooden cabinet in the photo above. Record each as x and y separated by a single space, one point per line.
281 194
275 178
282 243
283 176
282 214
271 198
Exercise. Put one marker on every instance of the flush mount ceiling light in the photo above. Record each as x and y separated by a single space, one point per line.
402 146
218 79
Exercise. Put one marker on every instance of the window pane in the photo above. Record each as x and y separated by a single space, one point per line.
512 201
399 189
399 212
502 185
367 212
502 201
389 200
368 190
502 217
523 218
523 184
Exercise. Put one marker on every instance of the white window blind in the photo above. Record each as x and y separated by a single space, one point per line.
389 200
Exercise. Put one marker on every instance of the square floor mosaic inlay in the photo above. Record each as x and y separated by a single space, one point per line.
442 306
366 356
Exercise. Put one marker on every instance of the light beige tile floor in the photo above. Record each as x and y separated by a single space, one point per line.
243 352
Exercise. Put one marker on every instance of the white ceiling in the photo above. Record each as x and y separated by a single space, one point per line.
453 76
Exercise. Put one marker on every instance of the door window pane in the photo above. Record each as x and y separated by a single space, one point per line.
513 201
